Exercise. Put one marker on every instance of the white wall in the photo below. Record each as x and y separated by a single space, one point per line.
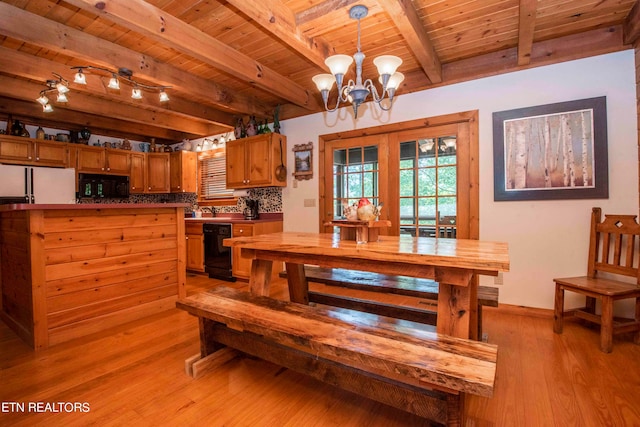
546 238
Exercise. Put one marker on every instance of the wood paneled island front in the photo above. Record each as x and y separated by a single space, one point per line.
70 270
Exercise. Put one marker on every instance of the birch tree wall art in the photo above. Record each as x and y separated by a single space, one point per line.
555 151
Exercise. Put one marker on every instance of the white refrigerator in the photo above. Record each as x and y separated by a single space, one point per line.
37 184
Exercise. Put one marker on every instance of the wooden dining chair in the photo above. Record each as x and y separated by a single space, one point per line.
613 251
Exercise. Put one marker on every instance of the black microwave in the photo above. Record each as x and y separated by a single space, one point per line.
103 186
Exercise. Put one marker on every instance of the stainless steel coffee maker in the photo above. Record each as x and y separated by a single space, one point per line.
251 211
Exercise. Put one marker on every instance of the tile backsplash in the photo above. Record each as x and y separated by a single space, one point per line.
270 200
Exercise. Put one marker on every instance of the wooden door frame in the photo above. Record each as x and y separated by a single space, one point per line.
466 117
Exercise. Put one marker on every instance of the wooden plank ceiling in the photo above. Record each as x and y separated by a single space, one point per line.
230 59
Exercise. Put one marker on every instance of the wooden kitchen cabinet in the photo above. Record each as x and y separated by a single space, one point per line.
103 160
183 170
252 161
138 173
195 246
157 170
149 173
241 267
37 152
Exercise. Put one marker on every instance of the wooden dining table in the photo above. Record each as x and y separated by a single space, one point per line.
453 263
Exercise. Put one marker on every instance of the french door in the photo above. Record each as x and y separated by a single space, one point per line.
426 179
359 169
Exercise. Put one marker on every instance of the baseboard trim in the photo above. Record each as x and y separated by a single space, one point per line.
520 310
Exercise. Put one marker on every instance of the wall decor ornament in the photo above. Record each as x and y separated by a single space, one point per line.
303 159
551 152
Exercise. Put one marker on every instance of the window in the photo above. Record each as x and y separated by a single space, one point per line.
213 176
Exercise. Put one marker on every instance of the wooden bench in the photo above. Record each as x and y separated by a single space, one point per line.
424 373
399 285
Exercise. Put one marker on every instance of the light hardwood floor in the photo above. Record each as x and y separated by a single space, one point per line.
134 375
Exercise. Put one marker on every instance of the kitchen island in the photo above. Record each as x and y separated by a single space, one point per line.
67 271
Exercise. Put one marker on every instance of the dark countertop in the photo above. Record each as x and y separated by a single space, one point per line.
87 206
236 218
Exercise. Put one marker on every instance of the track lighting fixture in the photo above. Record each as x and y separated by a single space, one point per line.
122 74
61 85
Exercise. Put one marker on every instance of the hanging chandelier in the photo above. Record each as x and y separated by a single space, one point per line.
357 92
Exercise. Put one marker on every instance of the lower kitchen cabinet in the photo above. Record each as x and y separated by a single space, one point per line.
195 246
241 267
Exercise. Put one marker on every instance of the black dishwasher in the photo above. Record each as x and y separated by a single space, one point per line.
217 257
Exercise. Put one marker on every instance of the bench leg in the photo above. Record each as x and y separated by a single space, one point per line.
558 309
207 344
455 410
606 326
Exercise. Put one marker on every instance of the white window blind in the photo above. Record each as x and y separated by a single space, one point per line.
213 176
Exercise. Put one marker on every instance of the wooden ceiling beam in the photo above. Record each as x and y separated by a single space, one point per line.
322 9
547 52
32 28
99 125
152 22
275 17
83 103
526 28
406 19
40 69
632 25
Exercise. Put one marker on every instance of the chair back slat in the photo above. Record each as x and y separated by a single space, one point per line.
614 244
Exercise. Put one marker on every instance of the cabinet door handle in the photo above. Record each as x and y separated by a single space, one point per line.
38 158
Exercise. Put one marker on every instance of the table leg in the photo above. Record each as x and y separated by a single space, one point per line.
455 311
298 285
260 277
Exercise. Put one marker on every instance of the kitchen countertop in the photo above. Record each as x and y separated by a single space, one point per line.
82 206
236 218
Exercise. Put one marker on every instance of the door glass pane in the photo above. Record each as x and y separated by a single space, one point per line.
428 187
356 173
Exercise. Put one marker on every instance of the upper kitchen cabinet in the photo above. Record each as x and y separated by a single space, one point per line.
157 170
103 160
28 151
252 161
138 173
184 173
